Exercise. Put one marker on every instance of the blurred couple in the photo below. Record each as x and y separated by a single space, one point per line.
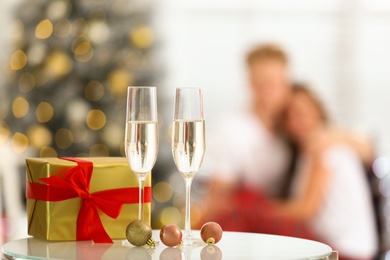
283 168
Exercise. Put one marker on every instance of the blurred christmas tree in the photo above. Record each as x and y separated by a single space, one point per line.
68 74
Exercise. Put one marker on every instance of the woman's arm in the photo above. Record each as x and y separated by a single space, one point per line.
306 205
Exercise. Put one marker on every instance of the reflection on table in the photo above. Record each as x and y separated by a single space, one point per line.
234 245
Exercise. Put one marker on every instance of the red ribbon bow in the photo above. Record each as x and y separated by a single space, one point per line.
75 183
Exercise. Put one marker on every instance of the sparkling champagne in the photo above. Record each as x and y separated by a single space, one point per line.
141 145
189 146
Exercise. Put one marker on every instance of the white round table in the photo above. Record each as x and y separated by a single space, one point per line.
234 245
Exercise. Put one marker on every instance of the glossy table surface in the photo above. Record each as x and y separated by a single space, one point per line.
233 245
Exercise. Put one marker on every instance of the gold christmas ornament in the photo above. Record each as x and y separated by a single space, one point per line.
139 233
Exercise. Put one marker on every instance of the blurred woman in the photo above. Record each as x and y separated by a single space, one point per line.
329 190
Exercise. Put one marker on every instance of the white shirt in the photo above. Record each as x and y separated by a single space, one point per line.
346 216
242 149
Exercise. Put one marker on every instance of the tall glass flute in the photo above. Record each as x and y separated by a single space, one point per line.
188 144
141 137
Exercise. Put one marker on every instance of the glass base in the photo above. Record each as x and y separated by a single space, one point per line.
189 240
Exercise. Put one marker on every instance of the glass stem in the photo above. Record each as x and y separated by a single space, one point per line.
141 180
187 226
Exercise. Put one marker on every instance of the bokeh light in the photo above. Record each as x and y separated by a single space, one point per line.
162 192
98 32
39 136
142 36
170 215
77 110
83 51
41 76
36 54
119 80
62 28
4 132
63 138
96 119
79 131
381 166
58 9
26 82
20 107
44 112
99 150
58 64
18 60
94 91
113 135
44 29
47 151
79 27
19 142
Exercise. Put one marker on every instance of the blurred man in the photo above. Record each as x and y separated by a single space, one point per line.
247 152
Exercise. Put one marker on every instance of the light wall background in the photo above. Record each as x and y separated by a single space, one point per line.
340 47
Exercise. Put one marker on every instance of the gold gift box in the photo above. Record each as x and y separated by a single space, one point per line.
57 221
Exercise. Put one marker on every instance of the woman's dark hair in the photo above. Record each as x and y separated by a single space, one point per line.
302 88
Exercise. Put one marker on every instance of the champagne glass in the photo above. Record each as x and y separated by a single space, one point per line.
141 137
188 144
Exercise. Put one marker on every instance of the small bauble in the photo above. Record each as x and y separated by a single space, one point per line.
211 233
139 233
171 235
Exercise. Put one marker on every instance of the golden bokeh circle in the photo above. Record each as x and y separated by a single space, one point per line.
162 192
44 29
20 107
18 60
47 151
62 28
99 150
26 82
19 142
39 136
58 64
63 138
119 80
142 36
4 132
94 90
170 215
96 119
44 112
79 131
113 135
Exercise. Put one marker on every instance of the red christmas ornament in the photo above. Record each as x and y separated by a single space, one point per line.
170 235
211 233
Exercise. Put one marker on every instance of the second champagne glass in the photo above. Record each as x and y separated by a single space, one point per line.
141 137
188 144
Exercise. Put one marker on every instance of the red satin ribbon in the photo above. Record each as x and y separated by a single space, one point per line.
75 183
